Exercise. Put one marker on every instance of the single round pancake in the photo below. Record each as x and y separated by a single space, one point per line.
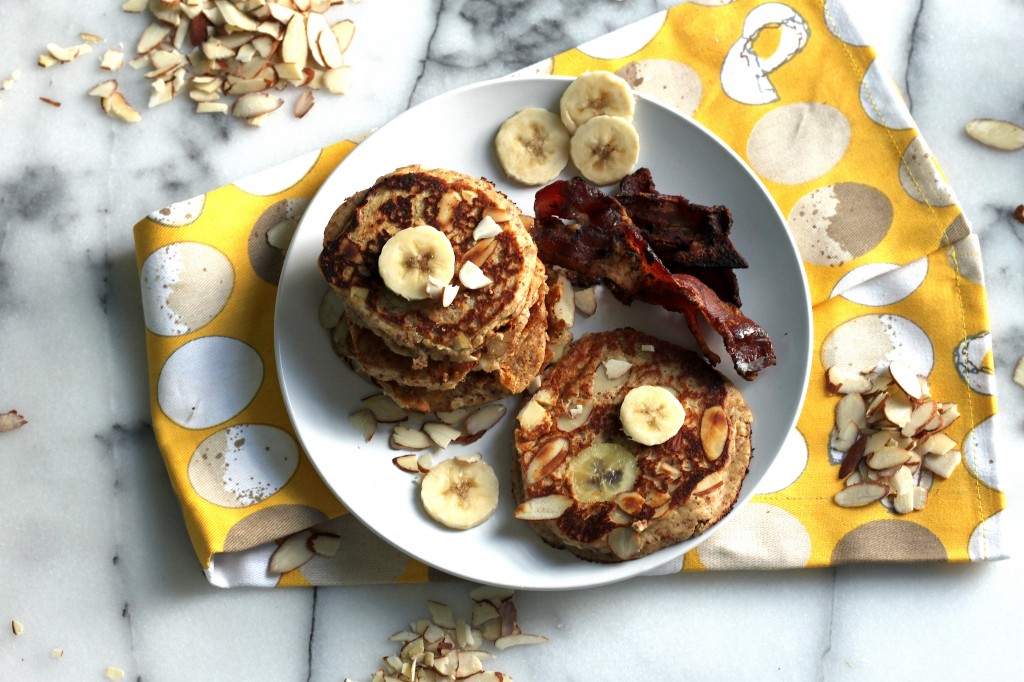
679 490
454 204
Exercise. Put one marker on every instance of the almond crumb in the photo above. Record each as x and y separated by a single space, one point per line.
51 102
17 628
113 673
57 653
11 420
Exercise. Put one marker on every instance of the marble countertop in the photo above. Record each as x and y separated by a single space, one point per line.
94 558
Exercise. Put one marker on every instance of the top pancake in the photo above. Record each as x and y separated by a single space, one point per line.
454 204
679 491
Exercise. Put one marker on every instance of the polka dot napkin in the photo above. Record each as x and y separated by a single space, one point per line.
894 272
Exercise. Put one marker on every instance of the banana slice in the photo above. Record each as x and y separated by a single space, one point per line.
412 256
651 414
605 149
532 146
596 93
460 494
601 472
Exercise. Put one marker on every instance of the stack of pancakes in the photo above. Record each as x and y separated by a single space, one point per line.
488 343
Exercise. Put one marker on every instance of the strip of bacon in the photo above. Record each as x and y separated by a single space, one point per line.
580 228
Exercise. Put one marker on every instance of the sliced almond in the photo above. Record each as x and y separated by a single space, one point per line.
294 47
448 294
920 497
996 133
364 422
897 410
921 415
441 614
843 380
304 103
624 542
483 612
943 465
714 431
548 458
614 368
887 457
442 434
425 462
152 36
134 6
861 494
67 54
117 107
935 444
906 379
292 553
112 60
384 408
407 463
575 417
235 17
472 277
586 301
480 252
325 544
255 104
344 31
543 508
337 80
630 502
853 457
11 420
851 407
487 228
315 25
845 436
454 417
104 89
330 51
484 418
531 415
404 437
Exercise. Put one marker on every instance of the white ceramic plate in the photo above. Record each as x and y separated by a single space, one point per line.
456 131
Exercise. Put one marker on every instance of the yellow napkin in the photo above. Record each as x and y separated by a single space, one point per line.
894 271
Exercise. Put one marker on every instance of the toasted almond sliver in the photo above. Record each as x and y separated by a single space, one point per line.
861 494
104 89
112 60
997 134
304 103
337 80
10 421
344 31
117 107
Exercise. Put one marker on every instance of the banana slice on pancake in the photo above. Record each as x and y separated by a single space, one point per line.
601 472
532 146
460 493
605 149
651 415
411 257
596 93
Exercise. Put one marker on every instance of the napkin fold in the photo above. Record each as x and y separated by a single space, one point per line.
894 270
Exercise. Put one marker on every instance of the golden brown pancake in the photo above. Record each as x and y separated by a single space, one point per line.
679 490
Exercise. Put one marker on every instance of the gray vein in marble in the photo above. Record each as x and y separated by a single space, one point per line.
33 192
312 634
908 71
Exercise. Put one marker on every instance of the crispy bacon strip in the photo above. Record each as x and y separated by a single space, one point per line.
580 228
689 238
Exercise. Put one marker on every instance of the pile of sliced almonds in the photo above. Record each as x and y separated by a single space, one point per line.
238 49
891 430
446 648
